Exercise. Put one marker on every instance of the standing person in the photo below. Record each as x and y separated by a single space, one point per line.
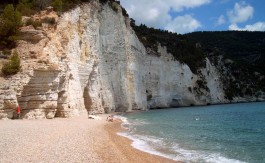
18 111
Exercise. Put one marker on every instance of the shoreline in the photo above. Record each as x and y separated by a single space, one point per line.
69 140
124 146
213 104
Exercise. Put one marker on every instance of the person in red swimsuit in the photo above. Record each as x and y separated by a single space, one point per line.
18 111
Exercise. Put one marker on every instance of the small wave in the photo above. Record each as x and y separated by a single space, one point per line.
200 156
149 144
215 158
125 123
137 122
142 145
123 119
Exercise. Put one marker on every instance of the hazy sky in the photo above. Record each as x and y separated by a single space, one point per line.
184 16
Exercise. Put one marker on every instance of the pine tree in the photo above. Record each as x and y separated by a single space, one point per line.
10 22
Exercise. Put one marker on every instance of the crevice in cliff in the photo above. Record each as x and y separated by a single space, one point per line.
90 91
87 100
60 109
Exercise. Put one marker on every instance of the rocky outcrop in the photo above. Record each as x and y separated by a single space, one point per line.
170 83
91 61
30 34
8 101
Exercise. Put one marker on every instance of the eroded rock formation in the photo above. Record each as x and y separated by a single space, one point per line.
91 61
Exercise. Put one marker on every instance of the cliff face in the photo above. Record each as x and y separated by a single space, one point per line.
91 61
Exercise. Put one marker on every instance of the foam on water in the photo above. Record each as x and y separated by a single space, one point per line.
199 156
125 123
143 143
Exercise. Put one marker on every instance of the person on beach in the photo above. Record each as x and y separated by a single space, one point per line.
110 118
18 111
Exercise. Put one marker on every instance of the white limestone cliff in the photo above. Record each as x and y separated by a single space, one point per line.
91 61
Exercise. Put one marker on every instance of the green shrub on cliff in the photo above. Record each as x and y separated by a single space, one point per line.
57 5
10 21
114 6
25 7
34 23
12 66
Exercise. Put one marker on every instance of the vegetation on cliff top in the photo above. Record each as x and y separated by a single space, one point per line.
11 11
245 48
181 47
10 21
242 65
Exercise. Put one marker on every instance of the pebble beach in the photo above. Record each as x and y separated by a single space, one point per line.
68 140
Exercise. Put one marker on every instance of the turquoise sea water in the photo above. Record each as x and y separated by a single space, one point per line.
218 133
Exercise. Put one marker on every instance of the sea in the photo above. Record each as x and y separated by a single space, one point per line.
231 133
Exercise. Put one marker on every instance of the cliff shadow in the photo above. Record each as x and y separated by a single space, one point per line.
87 100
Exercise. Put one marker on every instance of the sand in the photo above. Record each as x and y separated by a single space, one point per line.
68 140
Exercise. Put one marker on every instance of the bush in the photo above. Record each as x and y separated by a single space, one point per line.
57 5
25 7
124 12
40 4
34 23
49 20
10 22
203 85
12 66
7 52
114 6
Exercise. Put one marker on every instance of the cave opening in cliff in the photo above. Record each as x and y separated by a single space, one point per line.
87 100
60 108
